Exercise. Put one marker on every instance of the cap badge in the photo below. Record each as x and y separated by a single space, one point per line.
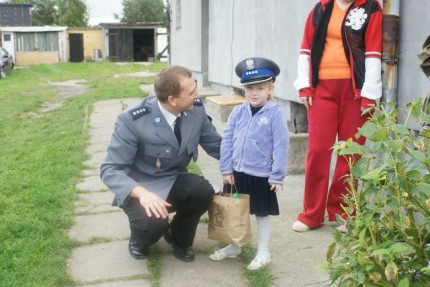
249 64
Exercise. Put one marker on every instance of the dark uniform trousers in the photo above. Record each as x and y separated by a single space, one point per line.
190 198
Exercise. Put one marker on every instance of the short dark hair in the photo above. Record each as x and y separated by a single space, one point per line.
168 83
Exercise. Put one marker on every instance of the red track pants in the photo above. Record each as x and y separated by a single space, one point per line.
334 112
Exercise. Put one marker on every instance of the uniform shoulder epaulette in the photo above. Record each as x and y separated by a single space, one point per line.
198 102
139 111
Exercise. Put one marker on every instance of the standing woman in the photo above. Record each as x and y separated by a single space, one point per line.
339 77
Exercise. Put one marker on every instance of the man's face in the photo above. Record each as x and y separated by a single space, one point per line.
185 100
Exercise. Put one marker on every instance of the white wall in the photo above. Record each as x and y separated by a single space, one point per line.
9 45
414 29
246 28
186 40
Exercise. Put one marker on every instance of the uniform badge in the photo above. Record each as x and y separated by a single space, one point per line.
139 112
249 64
198 102
157 120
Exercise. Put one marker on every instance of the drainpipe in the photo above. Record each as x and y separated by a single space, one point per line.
390 50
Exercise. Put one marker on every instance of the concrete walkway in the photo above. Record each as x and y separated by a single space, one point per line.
102 259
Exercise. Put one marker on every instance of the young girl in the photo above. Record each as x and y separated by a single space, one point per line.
254 152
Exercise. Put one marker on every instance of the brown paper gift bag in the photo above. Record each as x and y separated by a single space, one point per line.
229 219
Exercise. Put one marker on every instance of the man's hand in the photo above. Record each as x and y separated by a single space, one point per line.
152 203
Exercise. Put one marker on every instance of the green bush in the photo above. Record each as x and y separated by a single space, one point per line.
388 230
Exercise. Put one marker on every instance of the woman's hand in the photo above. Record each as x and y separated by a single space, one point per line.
307 101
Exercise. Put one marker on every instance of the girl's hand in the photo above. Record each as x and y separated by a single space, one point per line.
275 187
228 178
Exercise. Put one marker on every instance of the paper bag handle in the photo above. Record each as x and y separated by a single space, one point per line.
231 194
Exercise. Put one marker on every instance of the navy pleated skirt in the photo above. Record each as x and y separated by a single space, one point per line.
263 201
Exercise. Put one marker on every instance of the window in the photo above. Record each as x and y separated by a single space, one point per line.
42 41
6 37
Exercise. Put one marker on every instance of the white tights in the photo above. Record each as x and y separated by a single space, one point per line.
264 224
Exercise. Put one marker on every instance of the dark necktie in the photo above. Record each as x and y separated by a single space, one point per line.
177 129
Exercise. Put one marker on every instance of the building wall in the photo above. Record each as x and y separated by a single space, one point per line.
412 81
35 57
9 44
189 40
92 38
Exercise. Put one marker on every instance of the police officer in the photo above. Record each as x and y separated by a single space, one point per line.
147 159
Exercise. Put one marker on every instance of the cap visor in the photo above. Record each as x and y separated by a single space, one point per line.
256 82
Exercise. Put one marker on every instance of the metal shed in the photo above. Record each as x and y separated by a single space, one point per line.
130 42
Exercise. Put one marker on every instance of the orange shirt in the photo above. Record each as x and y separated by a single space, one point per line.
334 64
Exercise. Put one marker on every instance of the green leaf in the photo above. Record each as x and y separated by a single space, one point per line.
400 248
426 270
375 175
351 148
359 168
414 174
380 253
374 132
391 271
330 251
425 131
401 129
374 146
404 283
422 189
418 155
415 107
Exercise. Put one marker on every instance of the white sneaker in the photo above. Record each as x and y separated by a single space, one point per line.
220 255
258 263
299 226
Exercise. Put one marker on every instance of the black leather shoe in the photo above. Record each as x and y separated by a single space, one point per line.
183 254
137 250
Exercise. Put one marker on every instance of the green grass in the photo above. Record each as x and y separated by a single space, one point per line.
42 156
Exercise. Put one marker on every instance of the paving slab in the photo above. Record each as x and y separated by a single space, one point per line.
112 225
122 283
105 261
98 156
100 140
202 272
95 202
92 183
92 163
202 244
91 172
93 148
